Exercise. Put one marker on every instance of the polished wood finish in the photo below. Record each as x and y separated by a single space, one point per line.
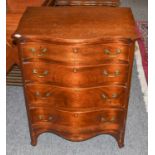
87 54
76 76
87 2
65 27
72 98
76 70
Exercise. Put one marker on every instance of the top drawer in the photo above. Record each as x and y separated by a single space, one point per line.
83 55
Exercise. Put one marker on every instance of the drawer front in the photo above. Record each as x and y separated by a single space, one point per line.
53 53
83 55
101 54
71 76
104 119
52 96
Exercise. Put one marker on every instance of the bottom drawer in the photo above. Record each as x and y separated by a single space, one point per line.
75 121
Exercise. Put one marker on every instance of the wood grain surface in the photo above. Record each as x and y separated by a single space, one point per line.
76 98
75 24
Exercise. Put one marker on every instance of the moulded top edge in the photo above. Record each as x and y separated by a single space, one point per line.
45 39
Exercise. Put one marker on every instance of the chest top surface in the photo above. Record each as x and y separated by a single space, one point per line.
77 23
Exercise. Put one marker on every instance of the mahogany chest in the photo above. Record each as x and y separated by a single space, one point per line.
76 65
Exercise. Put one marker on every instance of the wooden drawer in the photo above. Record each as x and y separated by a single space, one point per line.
73 98
82 55
71 76
103 119
102 54
53 53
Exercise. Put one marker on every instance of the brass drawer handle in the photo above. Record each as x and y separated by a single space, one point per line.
43 52
108 52
103 96
48 94
103 119
37 94
114 96
115 74
41 117
34 71
32 49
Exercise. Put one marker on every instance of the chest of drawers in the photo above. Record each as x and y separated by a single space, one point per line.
77 70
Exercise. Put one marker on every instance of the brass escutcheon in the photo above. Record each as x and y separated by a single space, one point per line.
75 50
76 115
74 70
50 118
118 51
103 119
37 93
